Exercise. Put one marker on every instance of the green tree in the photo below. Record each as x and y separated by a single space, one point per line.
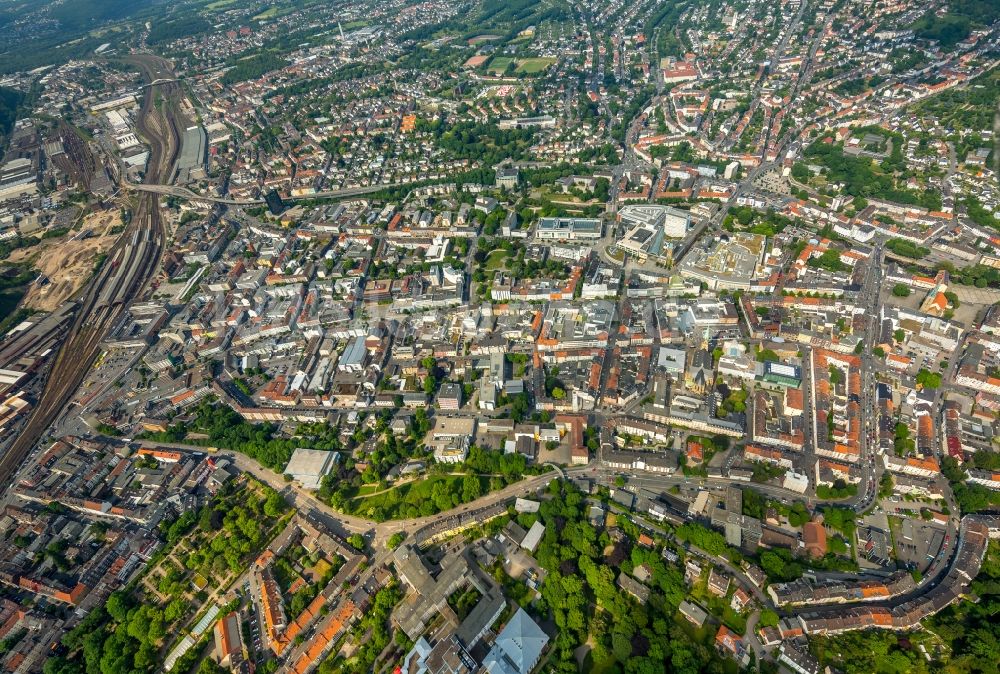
768 618
471 488
274 505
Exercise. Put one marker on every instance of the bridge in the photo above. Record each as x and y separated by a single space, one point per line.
160 80
185 193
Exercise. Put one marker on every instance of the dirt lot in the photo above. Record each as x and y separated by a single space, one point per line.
67 261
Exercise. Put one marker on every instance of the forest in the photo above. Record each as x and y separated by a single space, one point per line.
253 67
10 99
581 597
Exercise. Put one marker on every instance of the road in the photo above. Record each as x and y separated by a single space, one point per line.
185 193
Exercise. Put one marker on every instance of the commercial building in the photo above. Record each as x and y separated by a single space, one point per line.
450 438
782 374
569 229
730 263
647 229
193 155
308 467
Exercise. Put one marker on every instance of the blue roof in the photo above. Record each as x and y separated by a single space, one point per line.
518 647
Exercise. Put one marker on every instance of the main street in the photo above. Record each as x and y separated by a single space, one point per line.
344 524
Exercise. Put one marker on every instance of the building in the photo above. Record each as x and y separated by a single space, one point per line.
193 156
569 229
450 438
814 538
633 587
517 648
506 177
533 537
718 584
782 374
487 394
354 357
228 642
728 263
450 396
274 203
695 614
646 228
308 467
430 590
797 660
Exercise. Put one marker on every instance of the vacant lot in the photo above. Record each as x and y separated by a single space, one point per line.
67 262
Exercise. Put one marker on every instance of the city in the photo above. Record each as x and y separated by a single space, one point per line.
500 336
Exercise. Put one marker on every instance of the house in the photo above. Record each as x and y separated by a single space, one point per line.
730 643
695 614
692 571
717 583
643 574
814 538
739 600
639 591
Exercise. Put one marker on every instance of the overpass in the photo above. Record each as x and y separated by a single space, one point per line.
160 80
185 193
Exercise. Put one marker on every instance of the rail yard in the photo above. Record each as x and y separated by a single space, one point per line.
123 276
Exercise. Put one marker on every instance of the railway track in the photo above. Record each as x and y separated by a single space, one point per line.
127 270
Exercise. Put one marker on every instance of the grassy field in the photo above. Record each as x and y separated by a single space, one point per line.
268 13
219 4
497 260
499 64
534 65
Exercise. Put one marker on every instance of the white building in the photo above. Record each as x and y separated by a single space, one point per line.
308 467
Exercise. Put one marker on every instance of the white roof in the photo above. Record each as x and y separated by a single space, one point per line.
523 505
534 536
308 466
